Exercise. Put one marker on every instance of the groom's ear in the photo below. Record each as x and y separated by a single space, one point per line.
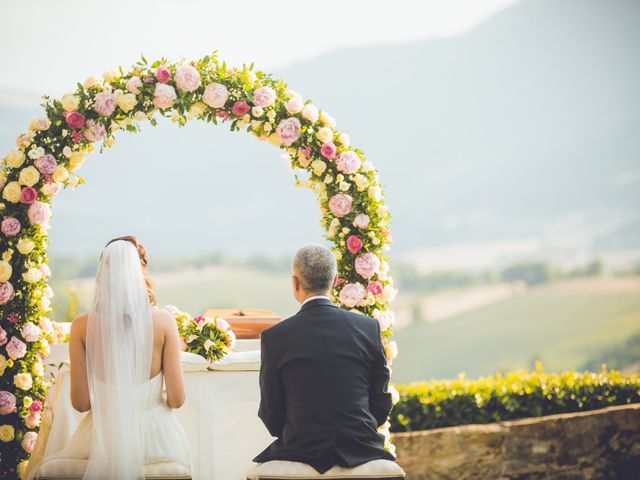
295 282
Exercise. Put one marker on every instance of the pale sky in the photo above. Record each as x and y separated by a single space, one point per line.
47 46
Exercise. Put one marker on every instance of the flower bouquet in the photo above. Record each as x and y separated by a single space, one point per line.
209 337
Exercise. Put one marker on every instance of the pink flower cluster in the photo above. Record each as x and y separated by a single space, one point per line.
187 78
7 402
164 96
348 162
341 204
289 130
240 108
46 164
264 97
367 265
104 103
74 120
39 213
10 226
16 348
94 132
351 294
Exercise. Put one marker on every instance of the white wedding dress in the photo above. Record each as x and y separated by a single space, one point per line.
129 425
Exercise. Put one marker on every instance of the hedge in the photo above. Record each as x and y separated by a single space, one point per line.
446 403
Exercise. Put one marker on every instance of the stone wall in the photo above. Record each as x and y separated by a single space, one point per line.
597 445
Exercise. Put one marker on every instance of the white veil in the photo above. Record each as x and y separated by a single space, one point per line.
119 349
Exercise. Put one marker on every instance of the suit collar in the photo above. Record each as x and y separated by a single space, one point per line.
316 302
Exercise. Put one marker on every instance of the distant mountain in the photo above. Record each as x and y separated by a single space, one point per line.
524 128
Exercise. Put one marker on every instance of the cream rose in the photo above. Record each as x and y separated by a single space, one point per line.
39 124
5 271
36 153
91 81
70 102
7 433
294 104
75 161
318 167
257 111
362 182
327 120
325 134
126 101
12 192
310 112
29 176
23 381
14 159
25 246
344 139
60 174
375 193
110 75
32 275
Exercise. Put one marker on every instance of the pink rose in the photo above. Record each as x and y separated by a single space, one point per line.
13 319
222 324
367 265
328 150
222 114
16 348
6 293
354 244
361 221
10 226
348 162
30 332
374 288
163 74
289 130
215 95
240 108
341 204
164 96
351 294
32 420
28 195
46 164
187 78
39 213
7 403
264 97
94 131
104 103
36 406
134 84
3 337
198 319
29 441
77 136
23 141
74 120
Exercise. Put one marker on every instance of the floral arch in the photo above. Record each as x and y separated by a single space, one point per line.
54 147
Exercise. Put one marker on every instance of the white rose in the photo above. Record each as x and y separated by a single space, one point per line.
257 111
294 104
110 75
344 139
267 127
310 112
325 134
344 186
67 152
327 119
366 167
389 293
60 174
23 381
328 179
36 153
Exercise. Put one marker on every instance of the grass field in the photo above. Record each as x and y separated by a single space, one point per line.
563 325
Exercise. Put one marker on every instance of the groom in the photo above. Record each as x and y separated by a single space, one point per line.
324 376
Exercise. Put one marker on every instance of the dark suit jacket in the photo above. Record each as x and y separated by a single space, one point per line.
323 383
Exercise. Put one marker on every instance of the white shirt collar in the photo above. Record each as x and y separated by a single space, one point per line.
315 297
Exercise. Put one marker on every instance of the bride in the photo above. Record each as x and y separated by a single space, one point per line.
121 354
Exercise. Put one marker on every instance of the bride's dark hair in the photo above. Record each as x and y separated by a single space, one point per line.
142 253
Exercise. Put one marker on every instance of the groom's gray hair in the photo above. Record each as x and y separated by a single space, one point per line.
316 267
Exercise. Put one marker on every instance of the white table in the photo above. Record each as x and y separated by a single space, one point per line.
220 418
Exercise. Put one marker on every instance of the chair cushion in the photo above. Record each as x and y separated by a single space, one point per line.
192 362
280 469
73 468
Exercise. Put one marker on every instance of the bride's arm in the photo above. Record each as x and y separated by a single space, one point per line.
171 366
78 361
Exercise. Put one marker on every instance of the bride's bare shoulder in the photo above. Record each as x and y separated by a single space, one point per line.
162 319
79 325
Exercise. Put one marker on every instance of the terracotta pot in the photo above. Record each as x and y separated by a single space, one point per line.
246 324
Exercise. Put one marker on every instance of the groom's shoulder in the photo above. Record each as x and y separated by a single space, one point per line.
279 328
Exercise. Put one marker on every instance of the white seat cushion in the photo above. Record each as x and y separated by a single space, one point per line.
72 468
280 469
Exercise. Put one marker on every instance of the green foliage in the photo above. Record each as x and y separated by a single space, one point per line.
446 403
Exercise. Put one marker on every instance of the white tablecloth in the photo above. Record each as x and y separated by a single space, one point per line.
219 418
